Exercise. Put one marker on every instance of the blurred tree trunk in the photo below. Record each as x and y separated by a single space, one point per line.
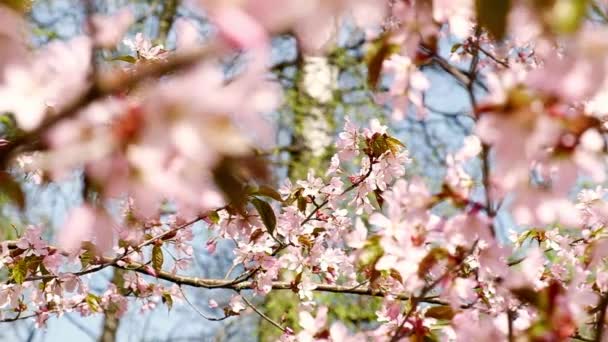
312 105
167 17
110 321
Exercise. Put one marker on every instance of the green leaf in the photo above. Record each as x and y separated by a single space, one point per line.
18 5
44 270
381 143
396 275
455 47
269 192
293 196
430 260
372 251
125 58
393 144
302 203
492 15
88 256
19 271
567 15
168 300
440 312
431 337
157 258
10 188
266 214
44 32
214 217
378 145
317 231
256 234
226 177
93 302
33 263
527 295
379 197
380 50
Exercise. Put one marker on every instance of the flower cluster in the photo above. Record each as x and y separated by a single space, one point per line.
178 141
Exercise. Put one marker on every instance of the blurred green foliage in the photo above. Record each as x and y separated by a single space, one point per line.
18 5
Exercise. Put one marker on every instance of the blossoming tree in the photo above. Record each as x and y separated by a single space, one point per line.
180 145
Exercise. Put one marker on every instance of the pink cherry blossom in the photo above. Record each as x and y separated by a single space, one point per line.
143 47
87 224
32 240
109 30
13 39
500 236
236 304
56 76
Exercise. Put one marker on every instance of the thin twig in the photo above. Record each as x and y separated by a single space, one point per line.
214 283
485 148
199 312
510 318
82 327
426 289
492 57
110 261
261 314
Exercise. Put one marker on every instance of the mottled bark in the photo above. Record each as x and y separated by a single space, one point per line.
111 322
166 19
312 104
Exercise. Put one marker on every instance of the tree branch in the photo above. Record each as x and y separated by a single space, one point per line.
106 260
166 19
428 288
213 283
261 314
599 324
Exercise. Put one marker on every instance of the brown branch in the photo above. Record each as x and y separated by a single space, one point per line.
20 315
485 148
428 288
199 312
462 76
241 282
510 318
213 283
579 337
107 262
492 57
83 328
111 321
350 188
166 19
601 316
